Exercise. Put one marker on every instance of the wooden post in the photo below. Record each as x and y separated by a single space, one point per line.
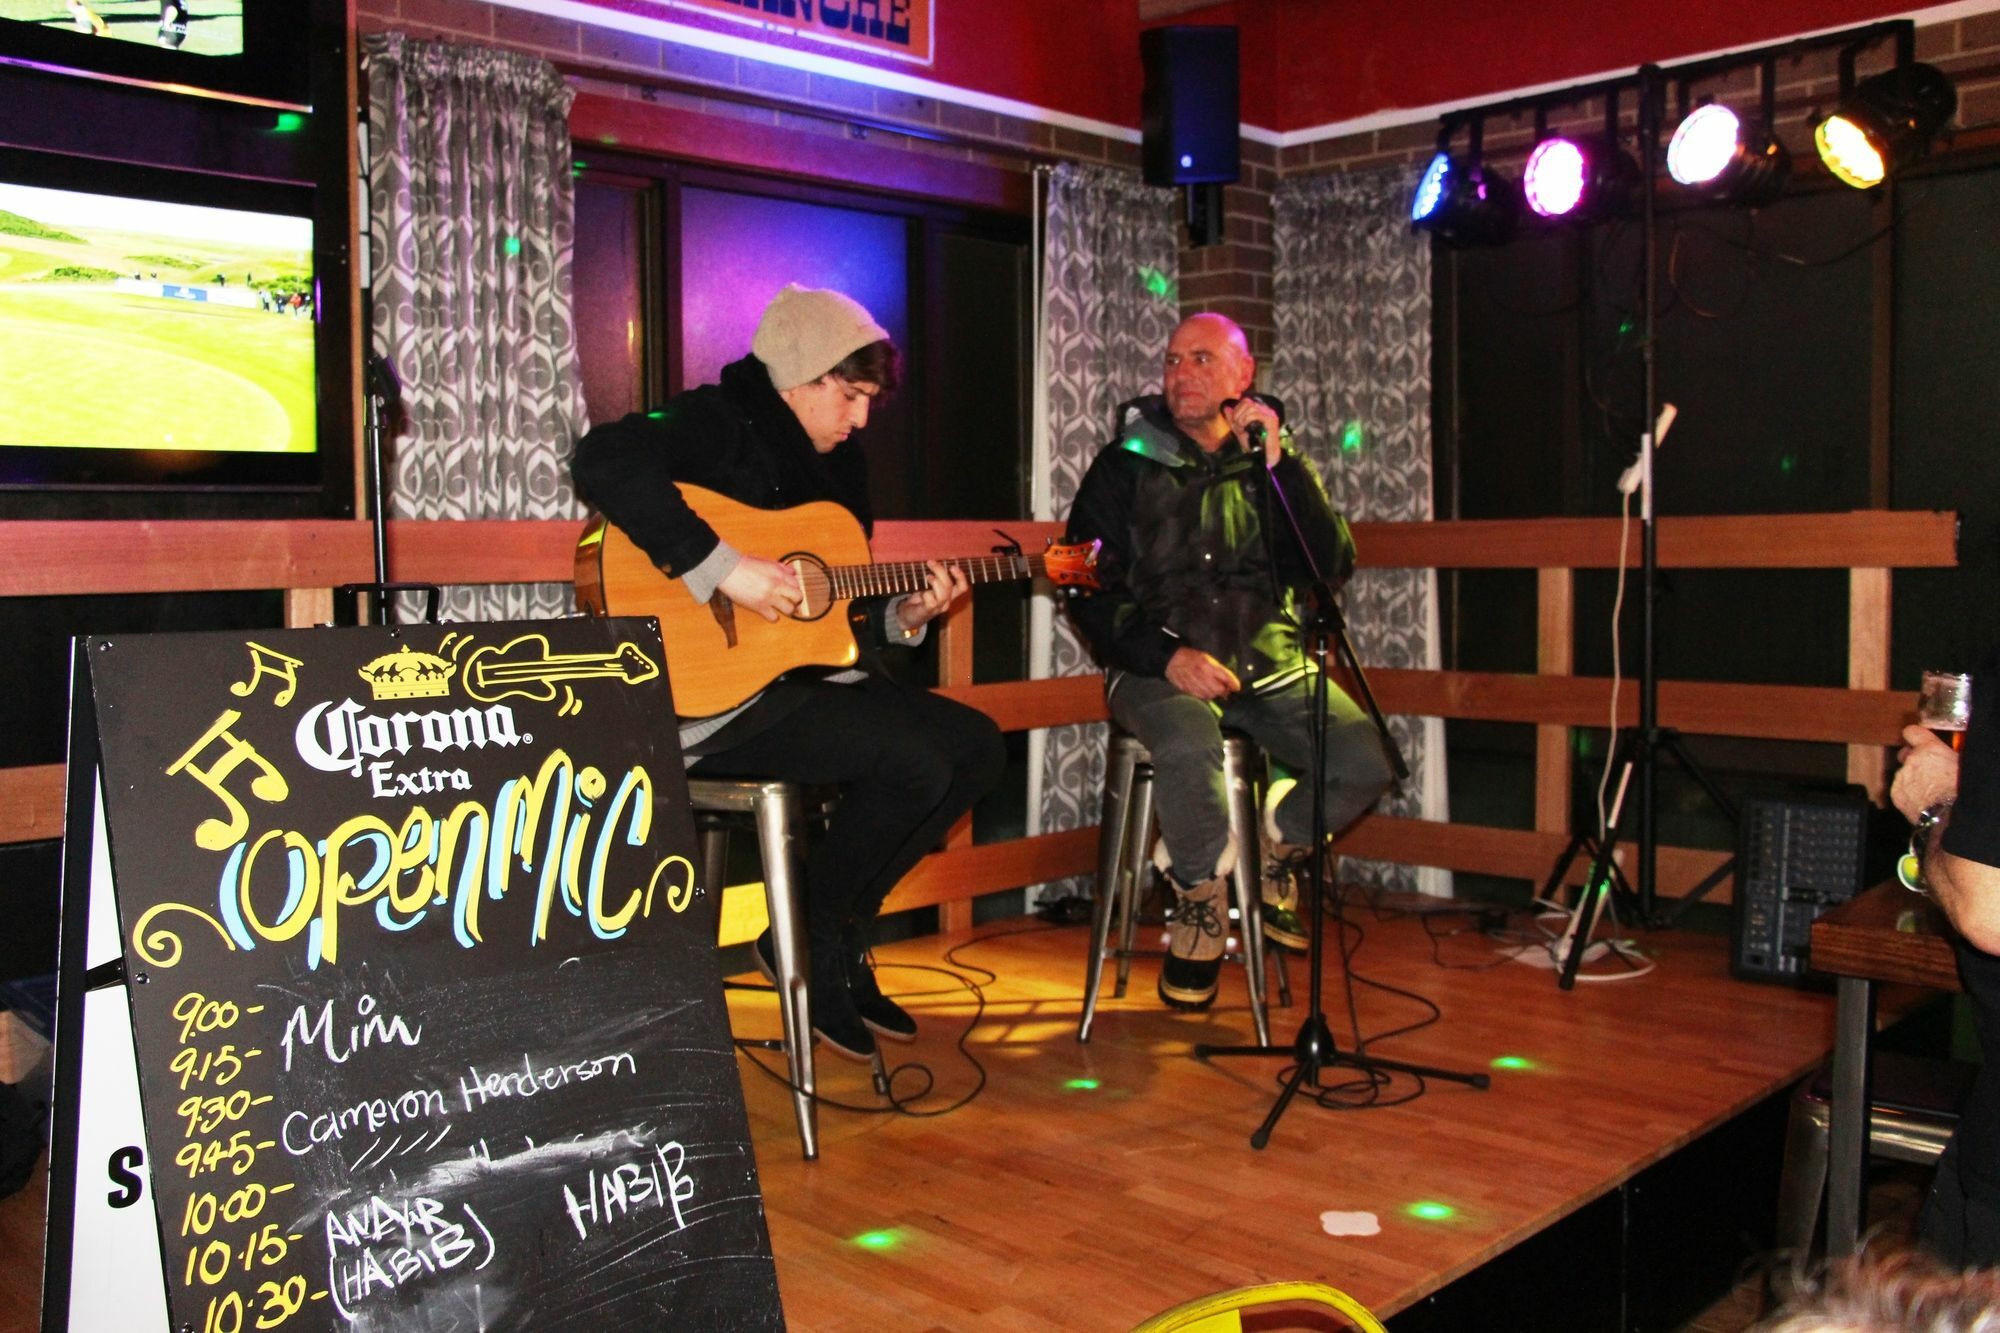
1555 655
1868 618
954 631
306 607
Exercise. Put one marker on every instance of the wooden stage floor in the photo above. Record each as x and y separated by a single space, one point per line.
1049 1204
1088 1186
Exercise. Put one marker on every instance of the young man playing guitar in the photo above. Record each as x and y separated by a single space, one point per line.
774 433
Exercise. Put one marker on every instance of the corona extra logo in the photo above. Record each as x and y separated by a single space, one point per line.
337 738
407 674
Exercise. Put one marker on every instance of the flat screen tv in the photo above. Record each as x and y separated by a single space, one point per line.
158 330
244 50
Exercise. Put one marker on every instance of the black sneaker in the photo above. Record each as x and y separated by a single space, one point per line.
835 1020
884 1017
1195 942
766 951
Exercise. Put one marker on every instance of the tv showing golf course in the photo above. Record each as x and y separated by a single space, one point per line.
197 27
165 329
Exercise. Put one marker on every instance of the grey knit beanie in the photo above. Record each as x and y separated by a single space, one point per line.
807 331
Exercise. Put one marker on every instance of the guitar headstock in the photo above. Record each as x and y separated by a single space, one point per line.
1073 566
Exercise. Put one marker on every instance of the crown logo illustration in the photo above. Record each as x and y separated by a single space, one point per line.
406 674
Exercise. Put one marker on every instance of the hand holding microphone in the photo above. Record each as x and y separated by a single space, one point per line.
1256 421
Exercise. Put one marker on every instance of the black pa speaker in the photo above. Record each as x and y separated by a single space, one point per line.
1188 111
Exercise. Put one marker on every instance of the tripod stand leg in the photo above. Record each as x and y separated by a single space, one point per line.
1585 919
1262 1135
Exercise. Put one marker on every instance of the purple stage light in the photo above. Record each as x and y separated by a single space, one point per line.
1554 181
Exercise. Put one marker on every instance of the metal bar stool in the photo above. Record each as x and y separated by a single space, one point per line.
1124 838
778 811
1911 1116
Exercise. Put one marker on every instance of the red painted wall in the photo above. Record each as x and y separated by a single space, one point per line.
1315 62
1349 58
1078 56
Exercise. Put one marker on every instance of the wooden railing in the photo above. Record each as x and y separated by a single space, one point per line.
307 559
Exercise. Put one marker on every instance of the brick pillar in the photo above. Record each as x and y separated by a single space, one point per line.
1233 278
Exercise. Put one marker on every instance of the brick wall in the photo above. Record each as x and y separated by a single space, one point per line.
690 81
1233 278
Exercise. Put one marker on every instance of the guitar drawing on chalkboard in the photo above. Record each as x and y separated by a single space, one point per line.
526 668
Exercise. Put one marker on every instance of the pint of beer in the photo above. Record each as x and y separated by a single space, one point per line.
1945 705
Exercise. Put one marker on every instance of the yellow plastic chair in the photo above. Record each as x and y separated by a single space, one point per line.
1221 1312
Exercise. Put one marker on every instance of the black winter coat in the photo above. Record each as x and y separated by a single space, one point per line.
1185 561
738 438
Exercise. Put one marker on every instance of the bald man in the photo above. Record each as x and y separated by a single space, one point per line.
1197 628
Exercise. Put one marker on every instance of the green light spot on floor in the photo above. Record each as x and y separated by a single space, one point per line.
1788 463
878 1240
1082 1084
1513 1062
289 122
1428 1211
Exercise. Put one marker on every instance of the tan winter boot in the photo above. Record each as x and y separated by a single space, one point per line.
1197 932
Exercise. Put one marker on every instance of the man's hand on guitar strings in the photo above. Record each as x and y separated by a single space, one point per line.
765 586
947 584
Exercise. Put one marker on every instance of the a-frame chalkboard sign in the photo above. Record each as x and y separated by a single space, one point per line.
389 998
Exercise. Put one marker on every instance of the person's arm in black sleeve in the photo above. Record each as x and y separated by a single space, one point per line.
1325 530
1120 632
627 471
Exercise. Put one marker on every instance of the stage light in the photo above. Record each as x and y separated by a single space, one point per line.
1715 154
1554 179
1462 202
1579 179
1885 124
1430 190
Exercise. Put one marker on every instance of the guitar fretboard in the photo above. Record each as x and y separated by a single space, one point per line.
901 576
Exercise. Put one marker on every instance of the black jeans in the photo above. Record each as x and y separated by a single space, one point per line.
908 763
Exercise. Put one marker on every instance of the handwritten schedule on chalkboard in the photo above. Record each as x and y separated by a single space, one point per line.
428 1020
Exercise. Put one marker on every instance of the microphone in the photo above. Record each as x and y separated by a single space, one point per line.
1255 430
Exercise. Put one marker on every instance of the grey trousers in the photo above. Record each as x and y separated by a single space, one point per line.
1184 735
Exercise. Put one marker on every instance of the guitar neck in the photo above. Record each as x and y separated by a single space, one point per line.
906 576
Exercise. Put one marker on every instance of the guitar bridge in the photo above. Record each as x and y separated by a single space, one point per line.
724 611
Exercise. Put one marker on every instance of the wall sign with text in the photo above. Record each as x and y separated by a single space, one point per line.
428 1021
887 27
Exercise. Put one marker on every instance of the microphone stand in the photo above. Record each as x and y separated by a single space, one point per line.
1314 1049
384 393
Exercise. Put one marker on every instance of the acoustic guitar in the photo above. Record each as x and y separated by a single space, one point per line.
717 658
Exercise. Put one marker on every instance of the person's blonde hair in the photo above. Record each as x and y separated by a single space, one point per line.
1899 1291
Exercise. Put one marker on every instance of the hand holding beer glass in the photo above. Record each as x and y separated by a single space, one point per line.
1944 706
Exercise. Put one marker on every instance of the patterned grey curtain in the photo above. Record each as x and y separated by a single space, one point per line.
471 214
1110 299
1352 301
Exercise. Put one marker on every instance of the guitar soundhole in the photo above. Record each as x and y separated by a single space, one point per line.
814 581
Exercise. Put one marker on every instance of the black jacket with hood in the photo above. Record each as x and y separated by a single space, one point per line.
1197 552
